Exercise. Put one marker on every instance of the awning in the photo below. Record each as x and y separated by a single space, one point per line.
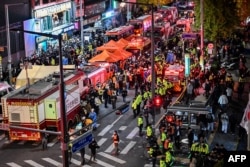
105 56
110 46
122 53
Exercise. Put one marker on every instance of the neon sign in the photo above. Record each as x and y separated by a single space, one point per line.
52 9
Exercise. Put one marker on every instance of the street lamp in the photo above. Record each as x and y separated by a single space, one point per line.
7 24
152 49
64 131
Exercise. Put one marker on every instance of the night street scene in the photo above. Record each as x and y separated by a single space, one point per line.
124 83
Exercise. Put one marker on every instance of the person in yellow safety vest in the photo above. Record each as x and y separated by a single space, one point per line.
163 162
163 137
134 107
140 124
70 151
149 131
203 148
138 101
147 95
168 157
158 81
153 154
194 150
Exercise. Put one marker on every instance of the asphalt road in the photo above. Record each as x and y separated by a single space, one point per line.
132 150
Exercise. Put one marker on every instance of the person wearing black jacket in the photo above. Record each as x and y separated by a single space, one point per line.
93 146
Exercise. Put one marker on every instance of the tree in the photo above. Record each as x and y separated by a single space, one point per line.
220 18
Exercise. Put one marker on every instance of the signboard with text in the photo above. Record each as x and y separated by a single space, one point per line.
82 141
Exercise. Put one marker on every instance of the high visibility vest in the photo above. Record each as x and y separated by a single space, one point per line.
138 99
163 163
163 136
134 105
149 131
140 121
168 157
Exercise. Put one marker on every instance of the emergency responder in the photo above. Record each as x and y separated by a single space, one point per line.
116 140
153 154
138 101
168 158
140 124
134 107
168 144
163 162
70 151
163 137
149 132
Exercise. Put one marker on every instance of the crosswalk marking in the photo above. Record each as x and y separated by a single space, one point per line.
120 161
133 133
98 161
51 144
76 162
109 149
128 147
101 141
53 162
12 164
33 163
122 128
105 130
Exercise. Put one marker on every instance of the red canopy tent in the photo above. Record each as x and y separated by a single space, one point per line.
122 53
105 56
123 42
110 46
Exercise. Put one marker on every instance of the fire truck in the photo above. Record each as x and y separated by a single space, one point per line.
37 106
162 31
141 24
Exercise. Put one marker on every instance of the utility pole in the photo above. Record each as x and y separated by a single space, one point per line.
81 23
202 34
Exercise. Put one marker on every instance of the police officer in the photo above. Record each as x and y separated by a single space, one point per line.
149 131
134 107
168 157
163 162
153 154
140 124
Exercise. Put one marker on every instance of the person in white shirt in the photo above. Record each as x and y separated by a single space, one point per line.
223 101
229 92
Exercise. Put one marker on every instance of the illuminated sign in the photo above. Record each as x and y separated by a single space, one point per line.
52 9
187 65
21 103
72 27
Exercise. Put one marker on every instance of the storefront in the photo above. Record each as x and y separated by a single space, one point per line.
54 19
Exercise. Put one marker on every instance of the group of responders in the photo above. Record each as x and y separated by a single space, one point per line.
235 158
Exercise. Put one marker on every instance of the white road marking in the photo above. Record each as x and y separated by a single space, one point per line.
101 141
133 133
12 164
120 161
128 147
109 149
33 163
53 162
117 119
76 162
122 128
105 130
98 161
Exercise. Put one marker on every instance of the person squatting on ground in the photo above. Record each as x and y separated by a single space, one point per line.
116 140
